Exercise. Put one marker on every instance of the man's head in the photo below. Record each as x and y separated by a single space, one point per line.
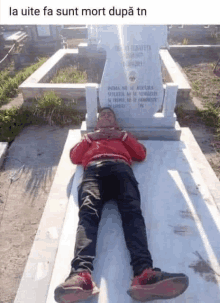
107 119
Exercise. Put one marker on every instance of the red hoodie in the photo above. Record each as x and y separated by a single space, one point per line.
126 148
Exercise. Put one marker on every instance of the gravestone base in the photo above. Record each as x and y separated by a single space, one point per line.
152 133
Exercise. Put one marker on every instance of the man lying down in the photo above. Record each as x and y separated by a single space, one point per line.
107 155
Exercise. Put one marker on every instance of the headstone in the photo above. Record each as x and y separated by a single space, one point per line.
43 30
44 39
75 32
132 79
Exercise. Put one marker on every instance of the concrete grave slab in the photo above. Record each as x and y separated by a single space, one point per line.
181 216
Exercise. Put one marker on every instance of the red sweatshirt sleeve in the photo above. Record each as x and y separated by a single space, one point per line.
78 151
137 150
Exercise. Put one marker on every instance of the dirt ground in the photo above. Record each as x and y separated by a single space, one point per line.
25 181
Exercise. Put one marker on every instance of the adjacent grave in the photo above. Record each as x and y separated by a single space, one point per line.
132 82
143 103
10 40
44 39
75 32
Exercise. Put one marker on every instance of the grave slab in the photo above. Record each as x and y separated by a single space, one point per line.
182 221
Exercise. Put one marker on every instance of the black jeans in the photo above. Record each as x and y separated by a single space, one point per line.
102 182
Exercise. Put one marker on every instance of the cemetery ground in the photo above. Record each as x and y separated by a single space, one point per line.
29 169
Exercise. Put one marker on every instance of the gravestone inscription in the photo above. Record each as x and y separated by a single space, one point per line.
132 82
132 79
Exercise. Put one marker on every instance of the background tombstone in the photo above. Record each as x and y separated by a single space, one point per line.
132 80
44 39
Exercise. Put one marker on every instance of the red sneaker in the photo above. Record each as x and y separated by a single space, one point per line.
154 284
77 287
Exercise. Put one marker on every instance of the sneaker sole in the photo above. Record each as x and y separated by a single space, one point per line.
73 294
168 289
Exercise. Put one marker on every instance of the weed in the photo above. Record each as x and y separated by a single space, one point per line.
69 75
9 83
211 115
212 65
196 85
12 121
215 80
54 110
49 109
185 41
180 111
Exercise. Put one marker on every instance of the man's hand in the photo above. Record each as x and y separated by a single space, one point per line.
97 135
105 133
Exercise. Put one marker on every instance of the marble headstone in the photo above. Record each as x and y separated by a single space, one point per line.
132 82
132 79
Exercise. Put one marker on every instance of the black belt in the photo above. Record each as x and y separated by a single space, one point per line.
105 161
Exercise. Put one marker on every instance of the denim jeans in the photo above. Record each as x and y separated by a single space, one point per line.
102 182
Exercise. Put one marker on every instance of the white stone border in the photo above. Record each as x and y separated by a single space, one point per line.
36 84
175 74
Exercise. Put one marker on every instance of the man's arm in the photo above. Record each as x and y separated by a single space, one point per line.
105 133
78 151
137 150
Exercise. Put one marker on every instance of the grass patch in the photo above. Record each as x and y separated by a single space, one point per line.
9 82
205 84
49 109
12 121
70 74
55 111
185 41
211 115
196 86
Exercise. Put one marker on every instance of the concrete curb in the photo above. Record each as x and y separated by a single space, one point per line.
3 150
203 165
